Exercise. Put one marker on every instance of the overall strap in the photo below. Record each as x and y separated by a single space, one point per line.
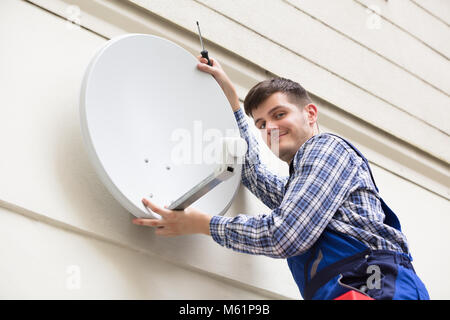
390 217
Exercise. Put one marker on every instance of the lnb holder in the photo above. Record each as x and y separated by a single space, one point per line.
233 150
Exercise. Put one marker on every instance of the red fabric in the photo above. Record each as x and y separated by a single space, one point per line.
353 295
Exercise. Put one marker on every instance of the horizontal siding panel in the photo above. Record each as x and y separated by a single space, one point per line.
42 261
438 8
297 32
406 15
395 45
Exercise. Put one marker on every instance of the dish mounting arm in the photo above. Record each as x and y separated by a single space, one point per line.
233 151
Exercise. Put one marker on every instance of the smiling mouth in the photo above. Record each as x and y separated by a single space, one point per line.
279 137
283 134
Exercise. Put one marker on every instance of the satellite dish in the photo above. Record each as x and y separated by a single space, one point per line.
149 118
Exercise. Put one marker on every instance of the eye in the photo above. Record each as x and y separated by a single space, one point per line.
279 115
263 126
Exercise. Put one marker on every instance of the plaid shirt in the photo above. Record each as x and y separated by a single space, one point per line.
329 187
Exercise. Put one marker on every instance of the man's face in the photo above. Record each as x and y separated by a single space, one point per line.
284 126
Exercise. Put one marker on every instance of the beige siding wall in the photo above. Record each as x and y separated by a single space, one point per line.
379 77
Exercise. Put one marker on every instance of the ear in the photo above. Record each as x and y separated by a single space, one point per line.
311 113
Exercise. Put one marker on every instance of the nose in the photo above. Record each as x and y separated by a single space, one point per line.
271 127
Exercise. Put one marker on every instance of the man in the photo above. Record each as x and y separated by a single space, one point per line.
328 220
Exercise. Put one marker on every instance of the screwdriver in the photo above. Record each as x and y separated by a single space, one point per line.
204 52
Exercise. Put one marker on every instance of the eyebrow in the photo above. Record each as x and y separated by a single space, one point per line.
270 111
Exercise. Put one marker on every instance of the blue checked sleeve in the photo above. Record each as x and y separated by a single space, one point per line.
264 184
325 174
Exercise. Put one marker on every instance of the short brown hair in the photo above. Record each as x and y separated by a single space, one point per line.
261 91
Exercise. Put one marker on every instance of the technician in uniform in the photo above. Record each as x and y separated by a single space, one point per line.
327 217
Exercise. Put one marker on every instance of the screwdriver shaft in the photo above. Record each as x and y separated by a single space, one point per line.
204 52
200 35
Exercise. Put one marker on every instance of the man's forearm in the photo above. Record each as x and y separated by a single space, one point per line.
230 93
222 79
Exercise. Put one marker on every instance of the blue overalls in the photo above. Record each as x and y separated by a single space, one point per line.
338 263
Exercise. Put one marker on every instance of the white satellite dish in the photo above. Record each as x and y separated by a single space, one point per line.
146 115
